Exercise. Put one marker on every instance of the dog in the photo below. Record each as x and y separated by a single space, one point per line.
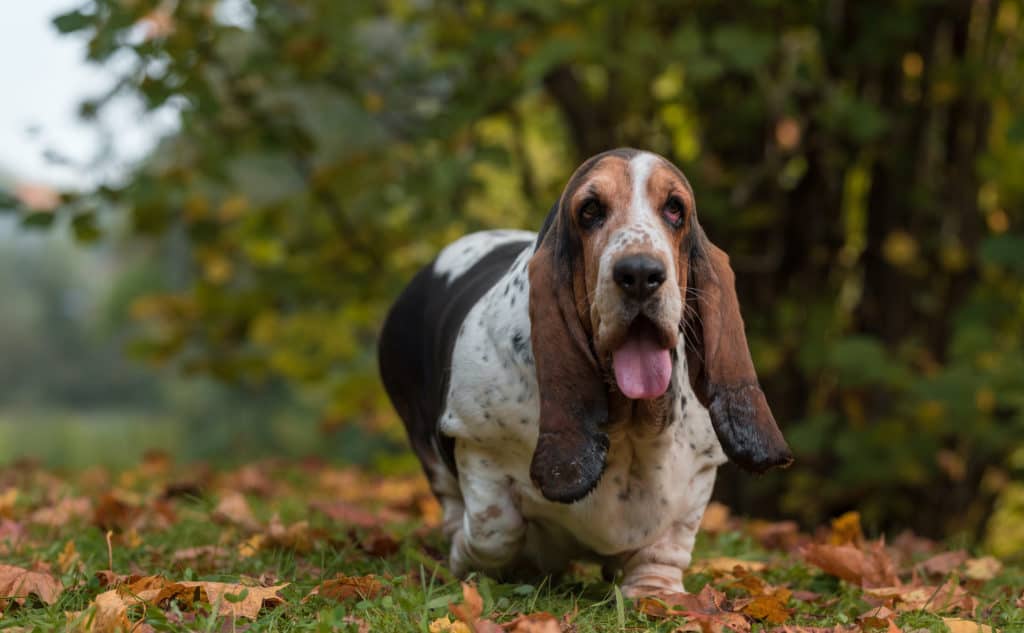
571 393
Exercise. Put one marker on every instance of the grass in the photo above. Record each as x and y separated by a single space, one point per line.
418 586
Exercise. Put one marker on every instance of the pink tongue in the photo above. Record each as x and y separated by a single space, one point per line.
642 368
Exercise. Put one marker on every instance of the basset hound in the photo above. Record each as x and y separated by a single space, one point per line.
571 393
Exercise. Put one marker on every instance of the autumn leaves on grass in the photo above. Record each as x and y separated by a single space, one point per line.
152 548
844 553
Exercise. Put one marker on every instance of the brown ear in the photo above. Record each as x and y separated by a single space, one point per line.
720 367
571 446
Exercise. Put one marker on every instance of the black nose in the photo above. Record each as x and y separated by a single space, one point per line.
639 275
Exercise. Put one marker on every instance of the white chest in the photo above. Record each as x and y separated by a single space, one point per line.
493 412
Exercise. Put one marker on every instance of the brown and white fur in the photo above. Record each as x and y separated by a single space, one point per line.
501 359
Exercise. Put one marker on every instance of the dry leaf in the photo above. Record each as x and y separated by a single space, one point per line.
17 583
724 565
957 625
782 535
67 557
202 557
947 597
982 569
472 606
233 600
66 511
350 514
233 509
846 530
708 609
715 519
942 564
769 608
869 567
344 588
445 625
877 618
296 536
534 623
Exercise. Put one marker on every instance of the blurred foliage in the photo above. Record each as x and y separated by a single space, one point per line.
863 162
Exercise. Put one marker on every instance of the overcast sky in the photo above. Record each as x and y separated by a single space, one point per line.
43 78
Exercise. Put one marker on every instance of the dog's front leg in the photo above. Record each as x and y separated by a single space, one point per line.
493 530
659 567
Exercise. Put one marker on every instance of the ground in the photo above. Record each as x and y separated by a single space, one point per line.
309 546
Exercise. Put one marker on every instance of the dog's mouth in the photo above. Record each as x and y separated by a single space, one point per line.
643 361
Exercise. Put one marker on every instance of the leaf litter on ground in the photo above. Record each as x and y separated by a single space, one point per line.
272 544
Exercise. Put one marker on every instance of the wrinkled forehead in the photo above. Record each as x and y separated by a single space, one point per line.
619 175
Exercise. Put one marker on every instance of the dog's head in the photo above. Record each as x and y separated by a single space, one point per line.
621 269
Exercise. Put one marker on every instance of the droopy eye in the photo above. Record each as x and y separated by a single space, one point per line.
674 211
592 214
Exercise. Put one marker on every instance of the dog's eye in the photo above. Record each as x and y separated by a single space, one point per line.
592 214
674 211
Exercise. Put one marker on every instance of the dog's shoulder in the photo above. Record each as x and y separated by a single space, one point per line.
421 330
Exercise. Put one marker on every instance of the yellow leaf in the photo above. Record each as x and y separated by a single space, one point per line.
985 568
958 625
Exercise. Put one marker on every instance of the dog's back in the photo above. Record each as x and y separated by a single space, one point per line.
419 333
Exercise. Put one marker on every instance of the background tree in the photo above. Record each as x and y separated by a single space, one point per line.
861 161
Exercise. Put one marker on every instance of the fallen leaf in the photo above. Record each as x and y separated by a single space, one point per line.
715 519
200 558
781 535
233 509
534 623
846 530
982 569
249 547
869 566
7 500
877 618
724 565
472 606
344 588
445 625
17 583
240 600
67 557
709 610
379 544
234 600
66 511
943 598
351 514
296 536
942 564
957 625
769 608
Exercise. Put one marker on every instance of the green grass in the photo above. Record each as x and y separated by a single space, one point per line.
420 588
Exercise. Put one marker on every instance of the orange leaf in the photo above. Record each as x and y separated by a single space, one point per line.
472 606
534 623
947 597
233 509
343 588
869 567
18 583
956 625
724 565
708 609
846 530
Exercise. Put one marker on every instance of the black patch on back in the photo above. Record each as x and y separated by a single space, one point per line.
417 340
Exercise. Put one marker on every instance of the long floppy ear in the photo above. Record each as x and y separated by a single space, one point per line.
720 367
571 446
